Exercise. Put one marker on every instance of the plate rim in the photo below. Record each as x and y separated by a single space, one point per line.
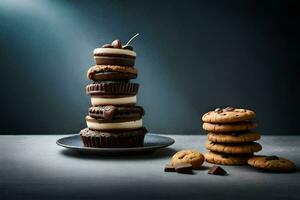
123 149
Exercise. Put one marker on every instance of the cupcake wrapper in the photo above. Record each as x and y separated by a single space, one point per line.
97 139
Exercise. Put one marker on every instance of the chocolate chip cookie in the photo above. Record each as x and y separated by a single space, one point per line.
227 159
235 137
228 115
272 163
233 148
193 157
232 127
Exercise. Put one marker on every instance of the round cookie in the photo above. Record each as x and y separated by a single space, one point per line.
193 157
233 148
233 127
228 115
226 159
272 163
241 137
111 72
109 139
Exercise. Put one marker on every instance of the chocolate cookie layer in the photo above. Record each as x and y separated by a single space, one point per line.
112 59
109 88
116 112
113 139
114 56
111 72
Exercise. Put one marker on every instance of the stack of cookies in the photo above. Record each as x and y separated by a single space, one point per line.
230 139
113 120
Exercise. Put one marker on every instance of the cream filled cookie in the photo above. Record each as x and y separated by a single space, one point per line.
117 124
115 54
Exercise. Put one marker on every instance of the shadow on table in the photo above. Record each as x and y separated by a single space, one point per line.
160 153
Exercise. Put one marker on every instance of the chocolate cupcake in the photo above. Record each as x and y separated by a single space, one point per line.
113 139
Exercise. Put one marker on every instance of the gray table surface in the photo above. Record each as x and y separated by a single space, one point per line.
34 167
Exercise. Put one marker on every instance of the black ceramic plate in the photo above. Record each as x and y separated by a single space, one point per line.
151 143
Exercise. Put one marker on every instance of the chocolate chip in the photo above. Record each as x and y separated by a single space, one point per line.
117 44
235 134
272 158
107 46
229 109
169 168
184 168
225 156
109 112
218 110
217 170
142 111
128 47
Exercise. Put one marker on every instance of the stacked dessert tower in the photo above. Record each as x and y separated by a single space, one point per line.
230 139
113 120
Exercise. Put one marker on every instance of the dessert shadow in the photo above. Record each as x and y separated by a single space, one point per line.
157 154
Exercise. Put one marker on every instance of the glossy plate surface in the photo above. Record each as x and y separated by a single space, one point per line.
151 143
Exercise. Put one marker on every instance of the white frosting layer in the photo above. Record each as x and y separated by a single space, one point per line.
114 51
98 101
109 126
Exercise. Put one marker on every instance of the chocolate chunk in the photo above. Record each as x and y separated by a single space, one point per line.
217 170
184 168
218 109
235 134
229 109
272 158
225 156
169 168
117 44
107 46
128 47
109 112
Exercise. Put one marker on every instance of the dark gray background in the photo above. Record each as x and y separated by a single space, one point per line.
193 56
